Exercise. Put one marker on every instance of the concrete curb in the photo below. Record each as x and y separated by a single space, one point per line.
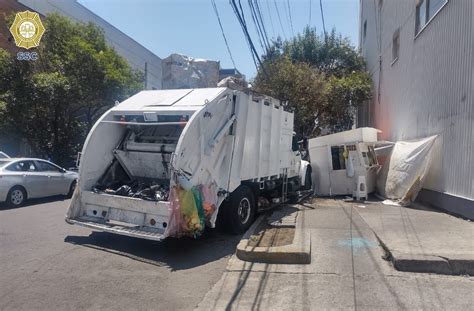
423 263
299 252
433 264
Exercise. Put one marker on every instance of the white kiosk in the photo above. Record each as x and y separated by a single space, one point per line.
343 161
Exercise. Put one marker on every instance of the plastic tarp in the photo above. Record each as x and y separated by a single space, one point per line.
403 175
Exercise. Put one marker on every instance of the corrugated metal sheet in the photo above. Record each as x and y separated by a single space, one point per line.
429 89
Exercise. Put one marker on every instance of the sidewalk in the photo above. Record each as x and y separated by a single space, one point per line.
419 239
347 271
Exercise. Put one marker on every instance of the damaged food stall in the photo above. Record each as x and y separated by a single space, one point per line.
341 160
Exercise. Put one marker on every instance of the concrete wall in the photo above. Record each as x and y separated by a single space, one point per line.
136 55
428 90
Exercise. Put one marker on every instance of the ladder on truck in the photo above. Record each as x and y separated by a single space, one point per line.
284 190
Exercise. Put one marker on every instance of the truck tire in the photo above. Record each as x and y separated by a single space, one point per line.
240 210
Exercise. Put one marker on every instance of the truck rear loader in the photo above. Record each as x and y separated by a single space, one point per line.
233 150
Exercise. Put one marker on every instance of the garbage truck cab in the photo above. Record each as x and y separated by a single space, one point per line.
169 162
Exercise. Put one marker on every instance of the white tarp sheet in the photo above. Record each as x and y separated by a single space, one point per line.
403 174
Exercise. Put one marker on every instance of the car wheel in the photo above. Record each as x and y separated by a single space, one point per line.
241 210
16 197
71 189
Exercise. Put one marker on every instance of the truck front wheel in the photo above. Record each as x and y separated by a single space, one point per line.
241 210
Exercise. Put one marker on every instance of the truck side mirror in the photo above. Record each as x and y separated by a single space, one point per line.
294 144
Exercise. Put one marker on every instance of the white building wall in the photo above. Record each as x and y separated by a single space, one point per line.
136 55
429 89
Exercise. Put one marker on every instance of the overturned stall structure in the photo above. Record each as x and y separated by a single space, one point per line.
341 160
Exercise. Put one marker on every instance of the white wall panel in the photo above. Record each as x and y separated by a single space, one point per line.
429 89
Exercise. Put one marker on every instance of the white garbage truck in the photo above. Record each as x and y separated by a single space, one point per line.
171 162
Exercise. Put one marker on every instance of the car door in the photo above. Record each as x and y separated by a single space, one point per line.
56 183
25 173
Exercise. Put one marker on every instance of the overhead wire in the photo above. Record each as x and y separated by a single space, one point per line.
260 34
262 21
223 32
270 15
239 13
289 16
322 18
279 18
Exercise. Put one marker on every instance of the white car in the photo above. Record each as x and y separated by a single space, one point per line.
3 155
26 178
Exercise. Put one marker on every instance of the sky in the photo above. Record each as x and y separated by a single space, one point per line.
190 27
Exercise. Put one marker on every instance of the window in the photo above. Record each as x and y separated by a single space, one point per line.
425 11
47 167
372 156
338 160
395 45
22 166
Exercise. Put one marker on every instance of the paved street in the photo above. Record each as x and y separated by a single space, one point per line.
347 272
47 264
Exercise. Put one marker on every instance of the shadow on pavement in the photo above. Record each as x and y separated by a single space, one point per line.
33 202
178 254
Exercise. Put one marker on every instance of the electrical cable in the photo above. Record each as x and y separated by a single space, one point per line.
271 19
322 18
261 37
279 18
241 19
289 15
223 33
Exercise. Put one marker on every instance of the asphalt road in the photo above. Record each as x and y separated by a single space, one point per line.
47 264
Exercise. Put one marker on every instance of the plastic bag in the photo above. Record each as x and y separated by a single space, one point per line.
209 205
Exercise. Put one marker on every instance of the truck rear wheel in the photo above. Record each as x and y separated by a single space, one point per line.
241 210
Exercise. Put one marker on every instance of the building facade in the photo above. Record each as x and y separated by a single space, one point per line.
138 57
420 54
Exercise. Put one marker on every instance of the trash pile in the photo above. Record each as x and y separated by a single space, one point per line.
136 189
191 209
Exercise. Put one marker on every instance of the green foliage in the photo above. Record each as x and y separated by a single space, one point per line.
326 93
53 102
298 84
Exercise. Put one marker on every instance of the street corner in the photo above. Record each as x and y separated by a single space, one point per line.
278 238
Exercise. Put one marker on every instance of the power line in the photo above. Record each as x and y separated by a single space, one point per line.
322 18
241 19
262 21
289 14
271 19
260 34
279 18
223 33
285 8
310 10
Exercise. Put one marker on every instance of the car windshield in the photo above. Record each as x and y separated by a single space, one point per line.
4 162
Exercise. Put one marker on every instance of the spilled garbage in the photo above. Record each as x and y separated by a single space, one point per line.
136 189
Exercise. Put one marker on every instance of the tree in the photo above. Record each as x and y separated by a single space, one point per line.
298 84
332 64
53 102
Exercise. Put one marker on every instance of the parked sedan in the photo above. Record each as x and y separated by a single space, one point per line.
23 178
